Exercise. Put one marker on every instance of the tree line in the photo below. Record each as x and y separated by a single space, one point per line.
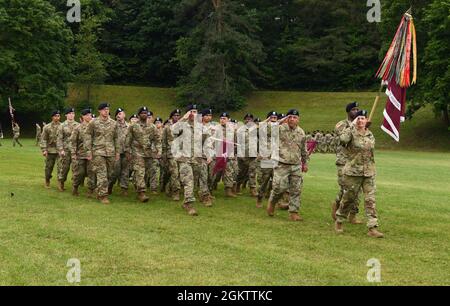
213 51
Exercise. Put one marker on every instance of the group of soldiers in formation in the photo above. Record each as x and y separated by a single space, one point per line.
103 152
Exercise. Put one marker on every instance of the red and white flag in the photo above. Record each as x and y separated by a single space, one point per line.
394 113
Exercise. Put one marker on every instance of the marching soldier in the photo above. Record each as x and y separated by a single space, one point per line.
155 167
170 162
121 169
210 128
38 134
288 175
16 134
103 149
82 167
48 145
342 155
63 145
359 173
247 166
138 147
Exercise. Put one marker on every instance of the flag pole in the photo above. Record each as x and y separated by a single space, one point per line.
375 103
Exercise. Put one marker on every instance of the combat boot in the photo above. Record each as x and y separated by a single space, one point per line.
253 192
176 197
104 200
142 197
189 208
75 192
354 220
229 193
295 217
373 232
61 186
237 189
338 227
270 209
47 184
334 208
206 200
110 189
234 189
124 192
259 203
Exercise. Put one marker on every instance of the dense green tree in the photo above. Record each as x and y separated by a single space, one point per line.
35 55
220 55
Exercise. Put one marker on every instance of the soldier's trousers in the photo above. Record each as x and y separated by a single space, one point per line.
141 166
16 140
81 169
50 162
247 171
121 172
189 172
228 175
154 174
203 180
64 166
287 178
340 173
264 177
211 176
352 186
174 181
104 168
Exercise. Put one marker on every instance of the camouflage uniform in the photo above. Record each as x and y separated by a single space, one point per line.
138 143
38 134
229 174
63 144
247 166
288 174
341 160
155 164
328 140
16 135
102 144
192 168
265 168
359 172
81 167
122 167
170 163
48 143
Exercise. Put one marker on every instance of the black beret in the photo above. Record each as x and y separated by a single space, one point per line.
207 112
56 112
134 116
69 110
175 112
280 116
86 111
257 120
225 115
234 121
293 112
142 109
191 107
150 113
271 114
119 110
362 113
248 116
103 106
158 119
351 106
94 116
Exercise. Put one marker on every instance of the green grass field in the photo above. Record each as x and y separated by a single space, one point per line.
320 111
232 243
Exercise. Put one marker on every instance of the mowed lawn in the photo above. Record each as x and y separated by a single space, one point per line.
232 243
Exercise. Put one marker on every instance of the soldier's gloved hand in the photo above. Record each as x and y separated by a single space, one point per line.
62 153
305 168
89 157
209 160
45 153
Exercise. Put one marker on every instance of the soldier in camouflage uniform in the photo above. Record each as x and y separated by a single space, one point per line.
266 165
247 165
288 175
16 134
341 159
38 134
48 145
103 148
207 161
121 168
170 163
359 172
138 148
63 145
190 159
155 169
81 166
